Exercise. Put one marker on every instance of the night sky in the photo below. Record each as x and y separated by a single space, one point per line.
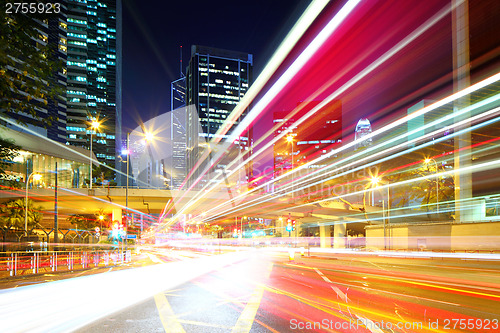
153 32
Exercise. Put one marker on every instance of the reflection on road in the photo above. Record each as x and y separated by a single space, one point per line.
264 290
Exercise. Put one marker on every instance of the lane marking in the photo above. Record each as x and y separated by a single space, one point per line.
199 323
428 283
168 318
155 258
371 327
247 317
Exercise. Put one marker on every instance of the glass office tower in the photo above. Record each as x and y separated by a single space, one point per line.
216 80
94 75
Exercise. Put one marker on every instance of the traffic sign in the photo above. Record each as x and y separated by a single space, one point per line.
129 236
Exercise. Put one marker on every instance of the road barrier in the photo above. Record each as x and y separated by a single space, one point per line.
27 263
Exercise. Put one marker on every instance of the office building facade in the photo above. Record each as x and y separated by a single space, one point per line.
216 80
94 76
44 112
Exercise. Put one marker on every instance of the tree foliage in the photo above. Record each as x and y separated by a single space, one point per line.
12 214
421 192
28 67
84 221
8 151
103 173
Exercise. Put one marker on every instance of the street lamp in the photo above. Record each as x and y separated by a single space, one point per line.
243 217
36 176
149 136
427 161
94 126
374 181
127 163
290 140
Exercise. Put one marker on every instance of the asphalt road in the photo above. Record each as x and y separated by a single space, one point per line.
268 292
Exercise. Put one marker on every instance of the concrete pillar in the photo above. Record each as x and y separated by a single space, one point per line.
116 214
461 80
339 234
324 236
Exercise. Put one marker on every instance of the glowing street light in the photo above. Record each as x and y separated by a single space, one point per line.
149 136
93 126
36 176
374 182
427 161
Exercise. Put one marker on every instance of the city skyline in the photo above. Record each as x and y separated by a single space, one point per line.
352 184
152 45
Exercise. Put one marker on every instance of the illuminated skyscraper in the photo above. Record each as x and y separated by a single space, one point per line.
50 40
94 75
216 80
363 128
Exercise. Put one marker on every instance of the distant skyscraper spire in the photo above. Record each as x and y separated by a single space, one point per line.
363 128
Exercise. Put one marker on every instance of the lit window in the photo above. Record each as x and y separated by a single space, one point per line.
72 20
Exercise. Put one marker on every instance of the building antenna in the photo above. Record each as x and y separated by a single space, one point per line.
182 74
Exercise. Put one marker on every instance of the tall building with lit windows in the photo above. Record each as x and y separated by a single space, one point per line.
93 42
216 80
52 34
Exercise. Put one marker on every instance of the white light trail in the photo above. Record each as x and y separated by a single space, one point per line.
363 162
281 53
66 305
302 60
298 30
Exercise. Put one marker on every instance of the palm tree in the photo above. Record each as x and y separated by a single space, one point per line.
12 215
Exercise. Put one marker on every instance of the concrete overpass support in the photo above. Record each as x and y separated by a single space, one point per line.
324 236
339 234
116 214
461 80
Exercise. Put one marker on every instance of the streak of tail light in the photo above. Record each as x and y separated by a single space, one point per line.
284 79
298 30
393 150
273 92
296 66
329 306
359 159
66 305
404 119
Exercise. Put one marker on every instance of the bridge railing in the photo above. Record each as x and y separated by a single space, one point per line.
27 263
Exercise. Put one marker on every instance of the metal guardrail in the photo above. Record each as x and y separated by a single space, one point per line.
27 263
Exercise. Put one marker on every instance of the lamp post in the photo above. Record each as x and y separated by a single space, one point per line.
101 218
386 211
427 161
243 217
126 186
36 176
290 140
94 126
